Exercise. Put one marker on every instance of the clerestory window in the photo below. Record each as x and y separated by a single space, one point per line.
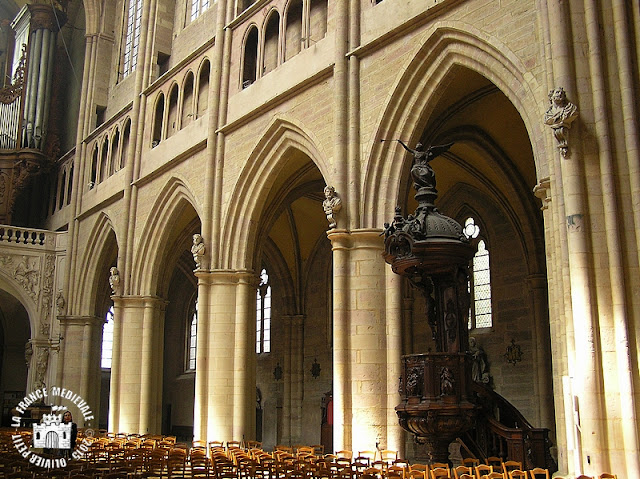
131 38
263 314
198 7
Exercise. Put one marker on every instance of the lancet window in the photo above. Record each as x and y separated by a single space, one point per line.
107 340
131 38
263 314
480 314
192 329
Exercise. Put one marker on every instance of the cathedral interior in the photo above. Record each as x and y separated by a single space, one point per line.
199 201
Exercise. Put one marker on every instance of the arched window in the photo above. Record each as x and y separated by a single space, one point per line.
480 280
203 89
157 121
187 101
192 329
271 43
263 314
172 117
250 60
131 37
293 34
107 340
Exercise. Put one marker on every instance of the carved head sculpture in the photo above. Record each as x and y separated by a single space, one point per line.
329 191
558 96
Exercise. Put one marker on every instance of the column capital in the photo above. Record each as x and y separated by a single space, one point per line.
356 239
81 320
227 276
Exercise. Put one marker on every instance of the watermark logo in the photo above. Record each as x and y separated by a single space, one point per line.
54 432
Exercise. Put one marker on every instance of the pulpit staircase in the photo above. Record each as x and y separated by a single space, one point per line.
502 431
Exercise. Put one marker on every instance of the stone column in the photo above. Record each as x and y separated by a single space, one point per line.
138 340
202 358
538 290
360 340
81 349
294 377
151 361
340 242
244 421
587 379
222 312
394 327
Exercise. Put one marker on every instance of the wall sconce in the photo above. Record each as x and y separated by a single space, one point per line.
315 369
514 353
277 372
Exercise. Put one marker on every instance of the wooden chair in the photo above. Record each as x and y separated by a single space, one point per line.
471 462
517 474
439 464
496 462
493 475
388 456
467 476
482 470
371 473
511 466
438 472
539 473
608 475
416 474
460 470
344 455
583 476
394 472
371 455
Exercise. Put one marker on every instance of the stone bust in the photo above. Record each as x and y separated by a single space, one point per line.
331 205
198 249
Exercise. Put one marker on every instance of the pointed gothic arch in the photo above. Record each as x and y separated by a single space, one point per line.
450 45
174 197
267 160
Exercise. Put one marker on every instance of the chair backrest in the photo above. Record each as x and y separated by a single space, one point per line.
388 456
517 474
584 476
494 475
344 454
440 472
460 470
608 475
470 461
511 465
539 473
482 470
415 474
371 455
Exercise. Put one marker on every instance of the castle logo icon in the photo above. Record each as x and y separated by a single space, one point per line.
52 433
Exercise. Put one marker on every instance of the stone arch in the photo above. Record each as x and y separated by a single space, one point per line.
99 241
250 55
8 284
265 162
449 45
524 214
170 202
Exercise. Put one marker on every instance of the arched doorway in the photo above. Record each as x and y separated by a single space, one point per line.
15 332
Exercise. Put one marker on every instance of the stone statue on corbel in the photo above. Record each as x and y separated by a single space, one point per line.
331 205
114 281
559 116
198 250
